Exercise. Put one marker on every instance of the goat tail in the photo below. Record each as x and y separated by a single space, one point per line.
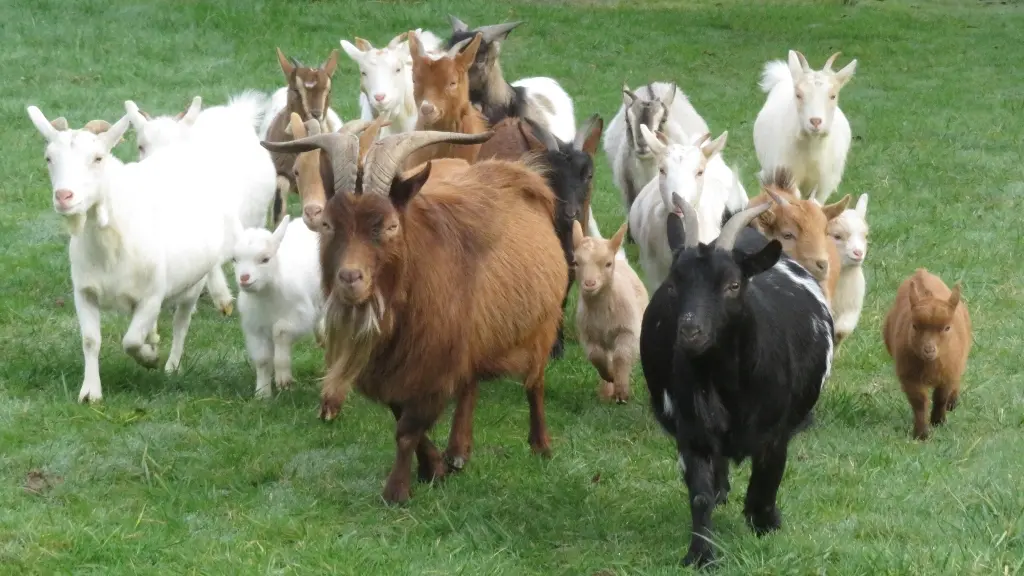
775 72
250 107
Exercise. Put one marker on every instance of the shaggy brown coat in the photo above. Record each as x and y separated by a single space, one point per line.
928 334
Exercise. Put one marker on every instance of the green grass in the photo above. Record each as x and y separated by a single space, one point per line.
189 474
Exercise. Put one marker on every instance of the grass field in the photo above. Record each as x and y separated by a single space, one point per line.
188 474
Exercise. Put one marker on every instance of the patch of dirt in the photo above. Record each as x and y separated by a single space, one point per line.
38 482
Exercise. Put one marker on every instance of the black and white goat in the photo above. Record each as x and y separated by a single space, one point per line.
736 345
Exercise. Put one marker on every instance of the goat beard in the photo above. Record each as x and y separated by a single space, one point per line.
350 337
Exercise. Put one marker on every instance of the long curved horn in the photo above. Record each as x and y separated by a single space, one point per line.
454 50
386 157
828 63
492 32
457 25
545 137
354 126
342 148
583 132
689 221
739 221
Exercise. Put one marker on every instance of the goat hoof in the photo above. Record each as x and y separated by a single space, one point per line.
938 420
699 556
558 350
455 463
952 404
395 494
722 498
329 410
284 383
171 366
227 309
431 471
605 390
921 435
764 521
541 448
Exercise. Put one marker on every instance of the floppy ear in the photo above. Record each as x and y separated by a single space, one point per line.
753 264
403 191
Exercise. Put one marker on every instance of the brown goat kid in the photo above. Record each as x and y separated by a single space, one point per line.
802 227
433 284
441 91
928 334
309 96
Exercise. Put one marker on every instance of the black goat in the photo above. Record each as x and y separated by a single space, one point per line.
735 346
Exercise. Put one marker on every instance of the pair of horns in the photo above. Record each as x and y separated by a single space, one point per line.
554 144
730 231
384 160
490 33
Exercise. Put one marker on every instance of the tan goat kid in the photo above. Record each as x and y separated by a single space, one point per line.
609 311
928 334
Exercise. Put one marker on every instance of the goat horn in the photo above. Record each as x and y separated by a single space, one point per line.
542 134
828 63
495 31
385 158
702 139
583 132
355 126
342 148
727 237
296 62
457 25
689 221
454 50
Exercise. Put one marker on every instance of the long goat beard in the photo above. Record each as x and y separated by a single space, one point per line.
351 334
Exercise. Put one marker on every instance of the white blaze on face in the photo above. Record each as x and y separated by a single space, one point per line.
849 231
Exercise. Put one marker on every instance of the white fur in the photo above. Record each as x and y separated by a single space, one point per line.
137 239
562 122
697 174
629 168
387 71
784 134
280 299
850 233
278 101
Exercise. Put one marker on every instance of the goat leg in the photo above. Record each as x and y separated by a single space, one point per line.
460 440
766 470
917 395
721 466
539 440
410 433
698 472
940 403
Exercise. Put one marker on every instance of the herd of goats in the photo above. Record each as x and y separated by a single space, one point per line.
441 233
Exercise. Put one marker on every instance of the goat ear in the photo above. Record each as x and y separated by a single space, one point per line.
954 298
134 114
753 264
577 234
618 237
298 129
468 54
355 52
281 230
844 75
913 291
715 146
833 210
628 97
190 115
795 66
112 136
594 135
286 66
862 206
667 99
675 231
394 42
44 126
363 44
331 64
402 191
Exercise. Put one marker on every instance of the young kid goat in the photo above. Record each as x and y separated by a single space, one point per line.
137 239
928 334
609 310
385 79
849 231
801 127
736 345
279 297
540 99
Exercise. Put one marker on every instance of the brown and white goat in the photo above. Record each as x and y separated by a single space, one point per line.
441 91
309 96
928 334
434 284
610 310
802 227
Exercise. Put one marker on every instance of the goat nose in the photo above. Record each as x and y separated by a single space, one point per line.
590 283
689 330
379 97
858 254
822 265
816 122
244 278
350 276
318 114
311 213
426 107
64 195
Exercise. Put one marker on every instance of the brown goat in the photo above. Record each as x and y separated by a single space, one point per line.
309 96
313 173
441 91
434 284
802 227
928 334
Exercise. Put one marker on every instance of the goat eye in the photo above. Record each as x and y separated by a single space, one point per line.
397 70
662 171
788 236
97 159
700 173
49 160
799 96
608 265
946 329
913 326
832 97
265 259
363 74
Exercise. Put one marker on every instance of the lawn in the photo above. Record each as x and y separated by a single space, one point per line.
189 474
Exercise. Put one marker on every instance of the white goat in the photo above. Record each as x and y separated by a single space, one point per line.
850 233
801 126
696 174
279 296
278 101
137 240
663 108
385 79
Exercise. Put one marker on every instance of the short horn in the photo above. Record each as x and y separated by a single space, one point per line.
457 25
731 230
342 148
828 63
776 197
583 132
690 230
494 31
386 157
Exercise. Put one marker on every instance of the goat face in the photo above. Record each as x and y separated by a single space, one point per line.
817 92
850 233
255 256
932 321
572 172
485 64
441 86
384 73
152 134
595 259
707 287
76 159
650 113
309 87
681 167
800 225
